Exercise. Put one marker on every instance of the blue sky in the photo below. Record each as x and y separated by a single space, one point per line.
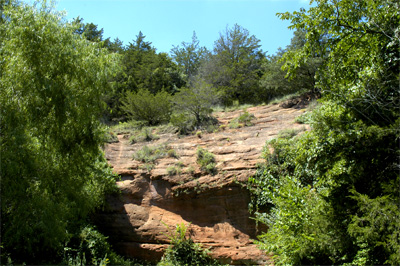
169 22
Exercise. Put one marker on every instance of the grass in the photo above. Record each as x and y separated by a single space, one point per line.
305 118
278 100
290 133
173 170
235 106
126 127
110 137
165 129
190 170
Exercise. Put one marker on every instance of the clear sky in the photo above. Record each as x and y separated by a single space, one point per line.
169 22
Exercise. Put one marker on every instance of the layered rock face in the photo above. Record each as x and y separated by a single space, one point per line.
214 207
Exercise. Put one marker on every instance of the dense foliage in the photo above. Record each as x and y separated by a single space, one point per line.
237 71
276 82
53 172
235 67
331 195
183 251
189 57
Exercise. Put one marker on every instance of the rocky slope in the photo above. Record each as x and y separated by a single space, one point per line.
213 206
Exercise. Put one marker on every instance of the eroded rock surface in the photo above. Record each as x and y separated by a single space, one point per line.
215 206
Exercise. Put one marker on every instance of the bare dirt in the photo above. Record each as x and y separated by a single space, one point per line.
214 207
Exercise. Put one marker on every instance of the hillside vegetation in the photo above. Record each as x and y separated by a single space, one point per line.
328 196
331 195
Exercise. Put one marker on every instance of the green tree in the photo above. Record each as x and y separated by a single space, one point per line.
88 30
276 82
115 46
146 107
53 172
143 68
189 57
147 69
193 106
235 67
333 193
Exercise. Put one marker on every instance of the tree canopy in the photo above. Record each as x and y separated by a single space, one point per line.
189 56
234 68
53 172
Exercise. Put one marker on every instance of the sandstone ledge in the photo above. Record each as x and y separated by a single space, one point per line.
215 207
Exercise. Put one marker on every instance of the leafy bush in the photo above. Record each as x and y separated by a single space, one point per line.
147 107
183 251
308 194
186 123
206 160
333 193
90 247
305 118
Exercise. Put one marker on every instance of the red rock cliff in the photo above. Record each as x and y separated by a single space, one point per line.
216 206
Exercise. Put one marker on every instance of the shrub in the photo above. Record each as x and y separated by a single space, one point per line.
305 118
308 194
173 170
90 247
185 123
183 251
243 120
146 134
180 164
150 154
199 134
193 107
172 153
147 107
197 100
206 160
